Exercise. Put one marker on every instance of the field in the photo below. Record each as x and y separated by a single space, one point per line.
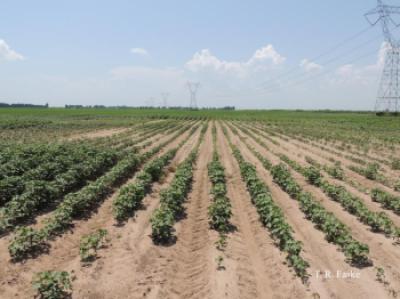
135 203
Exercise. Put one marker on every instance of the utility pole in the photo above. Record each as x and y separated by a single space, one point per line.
388 99
193 87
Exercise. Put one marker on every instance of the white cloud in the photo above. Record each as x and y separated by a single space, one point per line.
267 53
263 58
205 60
6 53
310 66
366 74
140 51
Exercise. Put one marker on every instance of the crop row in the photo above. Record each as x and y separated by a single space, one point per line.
28 241
345 151
131 195
367 169
378 221
335 231
172 198
335 171
167 129
40 193
271 215
220 210
58 160
387 200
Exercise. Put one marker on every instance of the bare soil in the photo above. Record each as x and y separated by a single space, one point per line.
251 266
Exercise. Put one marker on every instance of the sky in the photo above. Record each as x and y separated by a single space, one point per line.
250 54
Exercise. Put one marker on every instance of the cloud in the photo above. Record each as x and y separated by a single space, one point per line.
263 58
6 53
267 53
364 74
204 60
139 51
310 66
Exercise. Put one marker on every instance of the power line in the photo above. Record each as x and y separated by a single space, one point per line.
291 73
335 58
323 54
296 83
388 98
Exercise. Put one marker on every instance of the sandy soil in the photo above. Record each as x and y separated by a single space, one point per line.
64 253
131 266
258 269
382 250
323 157
385 169
97 134
298 154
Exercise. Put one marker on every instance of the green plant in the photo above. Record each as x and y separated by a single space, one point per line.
397 186
220 263
131 196
371 172
335 231
220 211
313 175
271 215
221 243
395 164
380 275
90 244
172 198
335 171
162 224
26 241
82 202
387 200
52 284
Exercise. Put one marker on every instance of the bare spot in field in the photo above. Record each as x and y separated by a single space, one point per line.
97 134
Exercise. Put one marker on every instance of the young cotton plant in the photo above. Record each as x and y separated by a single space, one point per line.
52 284
90 244
131 196
220 211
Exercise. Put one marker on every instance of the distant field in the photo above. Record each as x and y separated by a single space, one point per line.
160 203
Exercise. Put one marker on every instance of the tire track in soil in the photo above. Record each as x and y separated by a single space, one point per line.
320 154
116 271
298 154
39 219
131 268
259 271
188 276
332 146
64 253
382 253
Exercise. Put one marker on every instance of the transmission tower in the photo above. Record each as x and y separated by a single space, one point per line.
165 96
388 99
193 87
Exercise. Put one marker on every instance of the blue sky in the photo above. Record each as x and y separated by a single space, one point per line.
128 52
